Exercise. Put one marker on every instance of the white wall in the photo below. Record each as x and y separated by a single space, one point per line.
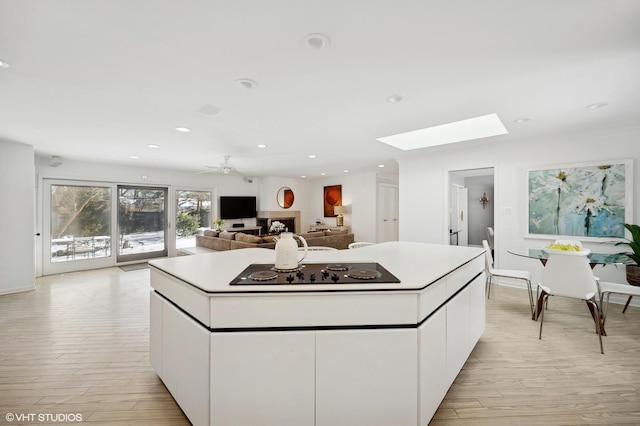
359 195
17 192
424 192
268 191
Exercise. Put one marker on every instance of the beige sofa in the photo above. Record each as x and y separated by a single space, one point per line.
226 240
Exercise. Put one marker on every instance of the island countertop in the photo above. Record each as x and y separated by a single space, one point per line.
371 353
416 265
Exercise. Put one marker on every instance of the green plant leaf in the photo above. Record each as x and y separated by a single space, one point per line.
633 243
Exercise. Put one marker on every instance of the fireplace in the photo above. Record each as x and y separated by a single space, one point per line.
290 219
265 224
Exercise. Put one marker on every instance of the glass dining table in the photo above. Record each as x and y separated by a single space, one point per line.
594 260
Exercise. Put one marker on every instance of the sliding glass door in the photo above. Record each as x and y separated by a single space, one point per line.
142 222
78 235
89 225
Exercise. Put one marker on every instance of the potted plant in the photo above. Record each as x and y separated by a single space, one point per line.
218 224
633 269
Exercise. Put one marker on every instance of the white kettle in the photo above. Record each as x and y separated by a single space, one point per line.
287 251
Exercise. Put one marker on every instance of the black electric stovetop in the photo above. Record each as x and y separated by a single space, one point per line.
316 273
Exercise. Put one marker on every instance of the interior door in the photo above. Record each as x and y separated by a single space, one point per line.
387 213
462 219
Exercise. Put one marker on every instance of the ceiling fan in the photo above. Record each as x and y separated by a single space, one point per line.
225 168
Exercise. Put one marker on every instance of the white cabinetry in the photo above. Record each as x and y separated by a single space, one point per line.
366 377
457 334
476 310
433 385
181 358
465 324
264 379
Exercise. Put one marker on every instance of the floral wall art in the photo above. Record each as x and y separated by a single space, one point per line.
585 201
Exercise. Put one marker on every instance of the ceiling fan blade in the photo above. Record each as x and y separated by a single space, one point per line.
225 168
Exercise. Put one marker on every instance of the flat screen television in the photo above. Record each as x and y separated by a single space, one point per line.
237 207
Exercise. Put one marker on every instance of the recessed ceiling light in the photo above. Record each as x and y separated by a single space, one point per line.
521 120
135 157
316 41
183 129
4 64
458 131
323 174
394 99
153 146
380 165
303 177
312 156
261 145
246 83
346 171
597 105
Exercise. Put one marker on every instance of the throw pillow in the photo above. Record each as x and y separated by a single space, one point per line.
227 235
248 238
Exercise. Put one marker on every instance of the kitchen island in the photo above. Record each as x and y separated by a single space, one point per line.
323 352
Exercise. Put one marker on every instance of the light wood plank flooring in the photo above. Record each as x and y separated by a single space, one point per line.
79 344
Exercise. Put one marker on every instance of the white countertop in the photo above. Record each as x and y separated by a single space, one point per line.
415 264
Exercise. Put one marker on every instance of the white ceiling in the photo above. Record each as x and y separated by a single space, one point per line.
101 79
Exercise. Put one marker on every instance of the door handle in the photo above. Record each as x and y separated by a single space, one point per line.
462 215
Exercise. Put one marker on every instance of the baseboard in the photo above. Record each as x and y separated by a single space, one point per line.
17 289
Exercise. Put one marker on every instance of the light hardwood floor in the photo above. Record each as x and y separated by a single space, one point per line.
79 344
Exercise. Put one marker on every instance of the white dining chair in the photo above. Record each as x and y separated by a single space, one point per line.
568 274
490 236
359 244
318 248
491 272
606 289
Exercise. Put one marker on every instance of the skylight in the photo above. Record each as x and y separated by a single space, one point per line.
458 131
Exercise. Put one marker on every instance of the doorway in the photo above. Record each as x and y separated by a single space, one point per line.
142 219
387 229
471 206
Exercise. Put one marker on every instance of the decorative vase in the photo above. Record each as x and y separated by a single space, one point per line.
633 274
